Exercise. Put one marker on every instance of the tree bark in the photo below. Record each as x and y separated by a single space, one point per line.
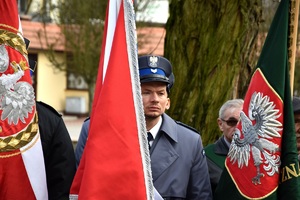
212 46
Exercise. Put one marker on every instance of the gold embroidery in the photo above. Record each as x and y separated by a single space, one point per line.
12 143
2 144
19 152
25 136
13 40
22 64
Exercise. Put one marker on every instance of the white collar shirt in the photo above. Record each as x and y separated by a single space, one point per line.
155 129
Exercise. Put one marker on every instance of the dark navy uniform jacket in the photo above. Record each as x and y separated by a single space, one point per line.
82 140
179 168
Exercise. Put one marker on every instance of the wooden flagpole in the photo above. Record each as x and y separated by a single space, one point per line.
294 15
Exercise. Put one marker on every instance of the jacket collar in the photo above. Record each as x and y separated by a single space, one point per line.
169 127
221 146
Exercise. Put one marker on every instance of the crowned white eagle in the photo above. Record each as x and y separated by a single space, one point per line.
16 97
259 129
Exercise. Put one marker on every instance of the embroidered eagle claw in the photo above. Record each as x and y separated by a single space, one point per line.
256 179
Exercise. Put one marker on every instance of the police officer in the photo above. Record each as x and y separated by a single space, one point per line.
179 167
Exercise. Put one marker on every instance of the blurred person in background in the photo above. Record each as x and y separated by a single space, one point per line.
296 109
229 116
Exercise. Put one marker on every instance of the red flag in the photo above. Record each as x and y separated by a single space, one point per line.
116 161
22 174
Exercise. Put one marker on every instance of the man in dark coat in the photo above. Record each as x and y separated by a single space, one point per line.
57 150
229 115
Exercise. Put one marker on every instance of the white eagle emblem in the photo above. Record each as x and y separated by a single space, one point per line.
17 98
153 61
257 138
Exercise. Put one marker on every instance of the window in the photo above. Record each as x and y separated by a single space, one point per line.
22 6
76 82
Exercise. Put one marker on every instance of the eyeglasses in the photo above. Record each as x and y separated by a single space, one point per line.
231 121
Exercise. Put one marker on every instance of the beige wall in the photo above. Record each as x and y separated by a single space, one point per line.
51 85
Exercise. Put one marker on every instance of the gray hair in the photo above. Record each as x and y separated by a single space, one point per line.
233 103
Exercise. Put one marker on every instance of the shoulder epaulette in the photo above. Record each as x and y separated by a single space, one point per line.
187 126
49 107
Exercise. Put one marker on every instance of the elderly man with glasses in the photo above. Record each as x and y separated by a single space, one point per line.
229 115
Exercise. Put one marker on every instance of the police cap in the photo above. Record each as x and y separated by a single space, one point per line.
155 69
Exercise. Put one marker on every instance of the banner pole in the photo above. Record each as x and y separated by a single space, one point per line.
294 15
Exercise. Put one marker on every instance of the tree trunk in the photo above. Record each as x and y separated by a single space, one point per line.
211 45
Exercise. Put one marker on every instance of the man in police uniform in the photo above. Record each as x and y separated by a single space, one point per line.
178 164
179 167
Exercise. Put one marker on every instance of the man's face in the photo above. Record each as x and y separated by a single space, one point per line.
155 99
227 124
297 128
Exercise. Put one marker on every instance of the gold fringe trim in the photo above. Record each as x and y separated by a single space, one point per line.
10 27
12 143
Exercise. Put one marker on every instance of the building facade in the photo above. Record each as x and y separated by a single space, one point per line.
62 91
